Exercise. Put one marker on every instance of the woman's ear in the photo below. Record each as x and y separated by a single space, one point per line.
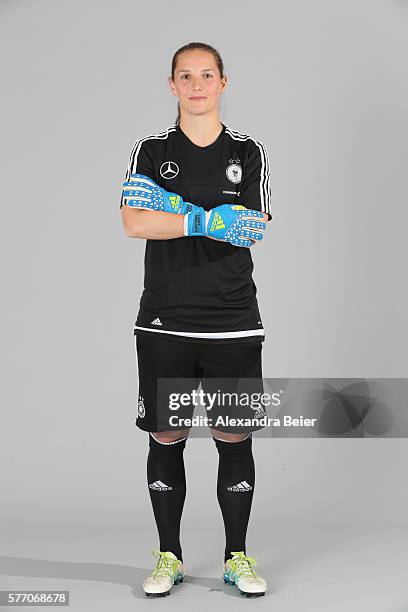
172 87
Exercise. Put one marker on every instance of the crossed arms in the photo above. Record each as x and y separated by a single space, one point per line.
150 212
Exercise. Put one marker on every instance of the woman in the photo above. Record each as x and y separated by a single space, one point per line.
199 193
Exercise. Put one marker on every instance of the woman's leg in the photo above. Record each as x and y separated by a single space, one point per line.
167 485
229 366
235 486
162 358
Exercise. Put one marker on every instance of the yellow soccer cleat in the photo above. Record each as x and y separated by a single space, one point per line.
239 571
169 571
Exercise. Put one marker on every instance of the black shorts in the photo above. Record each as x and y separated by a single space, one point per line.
160 361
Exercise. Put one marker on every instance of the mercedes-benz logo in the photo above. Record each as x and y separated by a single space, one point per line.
169 170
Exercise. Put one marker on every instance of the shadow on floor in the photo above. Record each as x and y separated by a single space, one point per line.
104 572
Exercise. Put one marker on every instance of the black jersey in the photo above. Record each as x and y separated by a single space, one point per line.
197 289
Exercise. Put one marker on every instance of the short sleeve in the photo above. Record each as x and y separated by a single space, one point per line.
255 192
139 163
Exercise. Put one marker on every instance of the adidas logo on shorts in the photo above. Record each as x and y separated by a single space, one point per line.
156 322
158 485
241 486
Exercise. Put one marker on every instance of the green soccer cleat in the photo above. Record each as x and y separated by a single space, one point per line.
239 571
169 570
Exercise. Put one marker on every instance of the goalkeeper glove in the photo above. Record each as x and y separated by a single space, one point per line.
224 222
227 222
142 192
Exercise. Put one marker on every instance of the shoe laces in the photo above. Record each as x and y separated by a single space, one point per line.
166 564
242 564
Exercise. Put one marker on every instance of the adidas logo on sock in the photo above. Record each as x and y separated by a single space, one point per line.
158 485
241 486
156 322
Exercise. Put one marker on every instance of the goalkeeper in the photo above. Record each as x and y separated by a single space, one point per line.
199 193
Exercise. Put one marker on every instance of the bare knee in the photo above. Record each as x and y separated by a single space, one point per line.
170 436
229 437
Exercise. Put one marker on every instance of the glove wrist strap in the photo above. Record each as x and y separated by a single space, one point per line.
195 223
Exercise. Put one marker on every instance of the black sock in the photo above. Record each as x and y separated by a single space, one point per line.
167 487
235 489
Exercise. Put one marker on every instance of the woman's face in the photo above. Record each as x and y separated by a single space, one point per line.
197 82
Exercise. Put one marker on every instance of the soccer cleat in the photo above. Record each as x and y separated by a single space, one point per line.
169 571
239 571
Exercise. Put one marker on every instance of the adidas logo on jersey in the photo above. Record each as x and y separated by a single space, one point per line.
158 485
156 322
241 486
217 222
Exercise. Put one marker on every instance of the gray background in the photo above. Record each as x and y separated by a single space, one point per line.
324 85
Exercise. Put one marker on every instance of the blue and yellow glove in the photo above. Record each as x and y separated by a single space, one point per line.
227 222
142 192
